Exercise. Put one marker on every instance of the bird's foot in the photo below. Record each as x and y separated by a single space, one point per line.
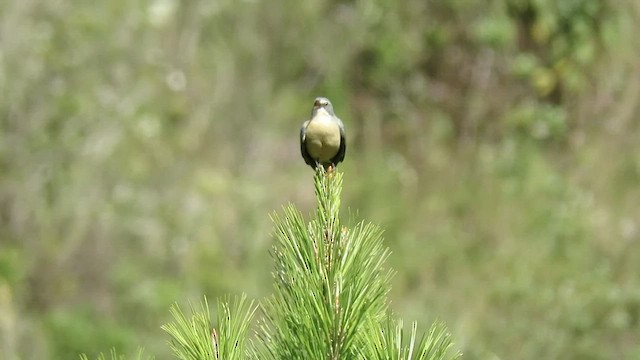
330 169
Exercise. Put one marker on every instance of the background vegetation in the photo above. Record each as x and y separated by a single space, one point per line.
143 145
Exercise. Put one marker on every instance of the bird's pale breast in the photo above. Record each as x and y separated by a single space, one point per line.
323 138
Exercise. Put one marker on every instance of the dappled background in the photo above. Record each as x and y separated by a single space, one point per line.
144 144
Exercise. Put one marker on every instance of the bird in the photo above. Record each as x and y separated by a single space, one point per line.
322 139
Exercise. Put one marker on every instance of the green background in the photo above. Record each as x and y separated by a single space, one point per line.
144 144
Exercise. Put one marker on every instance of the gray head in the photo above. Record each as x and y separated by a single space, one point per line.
322 103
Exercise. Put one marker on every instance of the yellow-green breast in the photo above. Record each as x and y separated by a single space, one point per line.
322 138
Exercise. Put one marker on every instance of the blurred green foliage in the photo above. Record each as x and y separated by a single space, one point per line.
144 143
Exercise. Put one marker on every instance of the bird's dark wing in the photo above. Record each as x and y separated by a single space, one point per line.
303 146
343 145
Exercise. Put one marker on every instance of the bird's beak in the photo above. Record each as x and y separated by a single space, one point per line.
317 104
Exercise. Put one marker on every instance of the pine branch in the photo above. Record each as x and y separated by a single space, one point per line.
234 320
329 281
388 342
114 356
195 339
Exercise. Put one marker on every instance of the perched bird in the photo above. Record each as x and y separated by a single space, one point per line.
322 138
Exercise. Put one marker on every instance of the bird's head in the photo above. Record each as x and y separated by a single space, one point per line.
322 103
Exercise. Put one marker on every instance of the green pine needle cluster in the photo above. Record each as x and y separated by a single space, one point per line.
194 338
329 282
329 302
388 341
113 355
